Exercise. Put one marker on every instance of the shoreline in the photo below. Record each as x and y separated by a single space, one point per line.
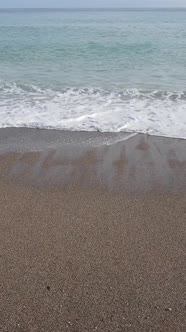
92 138
111 161
92 238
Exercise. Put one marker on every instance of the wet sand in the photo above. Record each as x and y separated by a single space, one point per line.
92 236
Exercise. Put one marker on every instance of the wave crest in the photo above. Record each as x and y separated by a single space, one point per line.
126 93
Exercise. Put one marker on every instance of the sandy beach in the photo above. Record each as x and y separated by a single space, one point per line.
92 232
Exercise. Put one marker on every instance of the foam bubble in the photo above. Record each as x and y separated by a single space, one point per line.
154 112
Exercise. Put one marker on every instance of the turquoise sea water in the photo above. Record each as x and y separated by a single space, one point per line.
87 70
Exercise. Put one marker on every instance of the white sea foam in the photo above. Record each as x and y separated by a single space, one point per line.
153 112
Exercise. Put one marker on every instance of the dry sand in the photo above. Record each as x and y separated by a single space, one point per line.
93 239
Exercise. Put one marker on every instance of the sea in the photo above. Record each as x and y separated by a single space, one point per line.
112 70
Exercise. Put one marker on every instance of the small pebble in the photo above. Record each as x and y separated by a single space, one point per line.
168 309
156 307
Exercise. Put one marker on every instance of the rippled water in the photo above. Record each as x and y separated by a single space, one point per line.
94 70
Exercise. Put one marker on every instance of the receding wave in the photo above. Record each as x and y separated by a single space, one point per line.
132 110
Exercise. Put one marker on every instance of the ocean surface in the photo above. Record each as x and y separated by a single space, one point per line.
106 70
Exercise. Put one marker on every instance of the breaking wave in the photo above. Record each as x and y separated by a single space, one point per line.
155 112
